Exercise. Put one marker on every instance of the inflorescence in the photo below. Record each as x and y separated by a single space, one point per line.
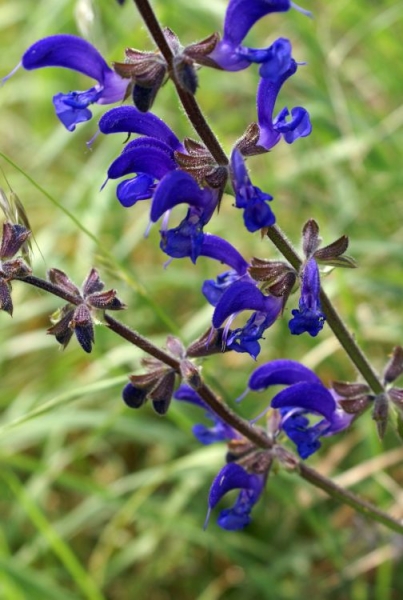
165 171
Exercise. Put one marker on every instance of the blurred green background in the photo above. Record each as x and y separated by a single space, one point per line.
100 502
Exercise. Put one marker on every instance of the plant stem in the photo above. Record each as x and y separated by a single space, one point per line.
47 286
188 101
347 497
223 411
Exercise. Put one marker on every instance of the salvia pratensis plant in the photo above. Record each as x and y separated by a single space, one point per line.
250 293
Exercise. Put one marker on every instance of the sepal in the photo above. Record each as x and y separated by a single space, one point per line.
394 368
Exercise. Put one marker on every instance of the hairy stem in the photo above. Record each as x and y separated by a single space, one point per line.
188 101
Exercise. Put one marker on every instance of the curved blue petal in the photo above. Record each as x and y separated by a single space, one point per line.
142 158
175 188
187 394
281 372
241 15
246 338
228 57
304 436
275 60
68 51
266 98
148 142
72 109
309 316
132 190
72 52
127 119
238 516
311 397
232 476
186 240
219 249
299 125
241 295
212 289
257 213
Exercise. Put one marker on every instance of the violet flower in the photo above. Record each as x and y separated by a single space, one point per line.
72 52
151 158
219 432
241 15
309 316
233 476
244 295
272 129
305 395
257 213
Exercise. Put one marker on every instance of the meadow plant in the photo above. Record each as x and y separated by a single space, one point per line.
165 171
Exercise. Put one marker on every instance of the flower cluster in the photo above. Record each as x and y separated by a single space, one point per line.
297 408
175 175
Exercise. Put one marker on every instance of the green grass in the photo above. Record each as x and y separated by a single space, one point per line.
99 502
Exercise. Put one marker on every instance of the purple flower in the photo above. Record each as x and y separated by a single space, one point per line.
257 213
220 431
309 316
244 295
233 476
305 395
241 15
72 52
152 158
271 129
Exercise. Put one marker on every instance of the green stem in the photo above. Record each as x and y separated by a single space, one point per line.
347 497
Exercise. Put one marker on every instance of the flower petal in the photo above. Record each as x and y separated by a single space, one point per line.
219 249
143 157
281 372
241 15
266 99
309 316
175 188
311 397
231 476
213 290
68 51
127 119
241 295
133 190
